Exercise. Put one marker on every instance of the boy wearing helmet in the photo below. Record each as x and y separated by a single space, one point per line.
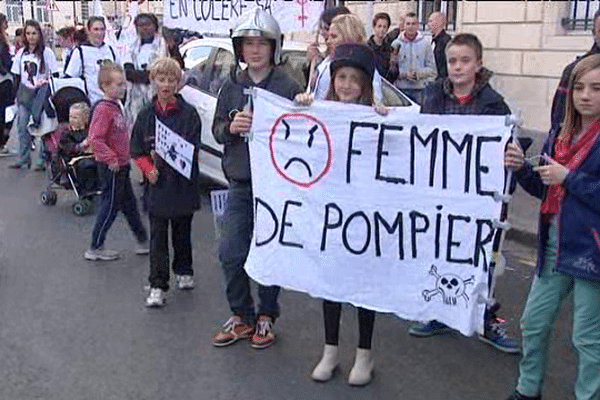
257 42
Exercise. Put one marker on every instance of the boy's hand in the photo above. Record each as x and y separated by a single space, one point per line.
513 157
153 176
242 121
553 173
312 52
303 99
382 110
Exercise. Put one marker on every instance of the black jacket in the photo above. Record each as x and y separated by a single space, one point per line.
439 52
381 56
236 158
438 98
173 194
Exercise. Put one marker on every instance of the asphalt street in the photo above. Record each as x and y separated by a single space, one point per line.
72 329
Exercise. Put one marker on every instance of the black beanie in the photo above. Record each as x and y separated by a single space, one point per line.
353 55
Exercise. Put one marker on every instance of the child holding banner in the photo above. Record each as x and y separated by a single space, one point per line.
256 42
352 68
568 183
466 90
171 197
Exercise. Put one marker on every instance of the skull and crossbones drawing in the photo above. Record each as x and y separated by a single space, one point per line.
450 286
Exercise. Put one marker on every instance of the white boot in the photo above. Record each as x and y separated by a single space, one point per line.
329 362
362 371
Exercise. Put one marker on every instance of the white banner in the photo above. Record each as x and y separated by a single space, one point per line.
216 16
174 149
389 213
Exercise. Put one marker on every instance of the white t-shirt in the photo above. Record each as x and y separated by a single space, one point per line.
92 58
28 66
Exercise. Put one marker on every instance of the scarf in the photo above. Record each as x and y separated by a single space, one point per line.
571 155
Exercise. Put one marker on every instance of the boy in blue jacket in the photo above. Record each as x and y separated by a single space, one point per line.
467 91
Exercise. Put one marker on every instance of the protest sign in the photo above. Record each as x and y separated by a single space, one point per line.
216 16
393 213
174 149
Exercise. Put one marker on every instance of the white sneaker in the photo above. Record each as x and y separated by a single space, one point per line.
185 282
101 255
156 298
142 249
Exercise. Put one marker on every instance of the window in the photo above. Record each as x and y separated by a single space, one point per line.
224 62
447 7
14 11
581 15
195 56
42 11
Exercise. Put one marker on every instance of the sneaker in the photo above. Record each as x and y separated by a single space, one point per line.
185 282
431 328
156 298
142 249
518 396
263 335
101 255
4 152
233 330
495 335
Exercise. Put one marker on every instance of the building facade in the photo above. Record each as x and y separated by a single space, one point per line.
527 43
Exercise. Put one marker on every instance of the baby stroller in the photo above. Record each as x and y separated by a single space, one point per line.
76 173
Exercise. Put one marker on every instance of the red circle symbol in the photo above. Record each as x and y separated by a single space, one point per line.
299 123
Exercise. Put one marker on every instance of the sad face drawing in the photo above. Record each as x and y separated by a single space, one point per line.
300 149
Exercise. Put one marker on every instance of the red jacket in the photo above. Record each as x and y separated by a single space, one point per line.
109 134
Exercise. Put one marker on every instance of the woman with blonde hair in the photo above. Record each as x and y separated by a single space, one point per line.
567 180
345 28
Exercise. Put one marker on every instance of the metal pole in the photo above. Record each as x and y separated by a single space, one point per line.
32 11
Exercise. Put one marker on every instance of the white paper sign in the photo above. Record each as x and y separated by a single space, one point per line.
217 16
175 150
389 213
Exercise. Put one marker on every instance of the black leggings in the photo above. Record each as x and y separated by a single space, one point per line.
332 312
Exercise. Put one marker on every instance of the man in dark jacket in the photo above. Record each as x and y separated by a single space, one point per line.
381 49
467 91
560 96
437 25
256 42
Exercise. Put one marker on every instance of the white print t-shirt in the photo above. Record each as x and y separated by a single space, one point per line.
28 66
92 58
143 57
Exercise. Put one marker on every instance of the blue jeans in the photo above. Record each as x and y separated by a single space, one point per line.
237 227
23 115
117 195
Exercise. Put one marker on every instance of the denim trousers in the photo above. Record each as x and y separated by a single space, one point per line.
236 236
542 308
181 229
117 195
23 115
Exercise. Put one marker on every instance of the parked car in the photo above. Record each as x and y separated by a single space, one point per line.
211 61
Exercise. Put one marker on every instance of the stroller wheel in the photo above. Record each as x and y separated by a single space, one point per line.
48 197
79 208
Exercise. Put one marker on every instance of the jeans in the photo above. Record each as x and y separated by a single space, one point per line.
238 224
117 195
542 308
181 228
23 115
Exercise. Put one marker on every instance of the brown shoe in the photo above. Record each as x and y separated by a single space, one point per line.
263 335
233 330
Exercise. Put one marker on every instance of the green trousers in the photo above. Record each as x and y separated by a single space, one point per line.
542 308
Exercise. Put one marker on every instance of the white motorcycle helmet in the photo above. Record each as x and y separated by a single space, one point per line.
256 23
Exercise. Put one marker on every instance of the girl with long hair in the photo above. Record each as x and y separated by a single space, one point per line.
6 81
33 65
568 183
352 68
